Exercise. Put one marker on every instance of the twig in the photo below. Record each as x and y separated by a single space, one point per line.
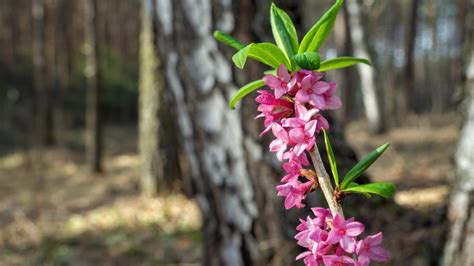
325 183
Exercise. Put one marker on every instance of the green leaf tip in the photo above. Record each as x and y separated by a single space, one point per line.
267 53
363 164
382 189
332 158
316 36
244 91
283 31
229 40
341 62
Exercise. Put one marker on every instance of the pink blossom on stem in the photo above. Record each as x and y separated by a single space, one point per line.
370 249
294 192
281 83
312 91
280 144
344 233
334 260
331 101
272 109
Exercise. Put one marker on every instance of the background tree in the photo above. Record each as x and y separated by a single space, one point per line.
150 86
409 68
366 73
460 243
224 165
93 99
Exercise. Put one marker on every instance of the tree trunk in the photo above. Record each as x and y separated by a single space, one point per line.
150 86
39 72
366 73
409 69
460 244
93 93
229 180
345 76
458 250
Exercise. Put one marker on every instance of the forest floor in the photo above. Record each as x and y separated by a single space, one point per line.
53 213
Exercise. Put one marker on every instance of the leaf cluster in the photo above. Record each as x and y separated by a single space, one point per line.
287 49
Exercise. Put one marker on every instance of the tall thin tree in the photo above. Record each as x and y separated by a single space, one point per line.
150 85
409 68
93 94
460 243
366 73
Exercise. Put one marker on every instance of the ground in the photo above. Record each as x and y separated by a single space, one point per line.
52 212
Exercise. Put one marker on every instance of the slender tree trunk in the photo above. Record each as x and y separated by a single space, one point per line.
409 69
222 162
150 86
366 73
93 94
460 243
347 81
39 67
50 54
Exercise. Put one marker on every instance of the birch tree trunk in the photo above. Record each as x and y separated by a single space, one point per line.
366 73
229 180
150 85
458 250
460 243
93 93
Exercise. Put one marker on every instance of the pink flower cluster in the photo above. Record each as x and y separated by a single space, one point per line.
333 241
292 113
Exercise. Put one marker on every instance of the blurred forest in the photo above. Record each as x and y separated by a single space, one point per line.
117 146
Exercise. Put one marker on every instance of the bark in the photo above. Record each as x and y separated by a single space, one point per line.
366 73
39 72
460 243
222 163
345 77
409 68
150 86
93 93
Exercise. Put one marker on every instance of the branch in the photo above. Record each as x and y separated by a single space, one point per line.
325 183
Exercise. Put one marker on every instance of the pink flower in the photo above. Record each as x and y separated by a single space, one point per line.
334 260
294 192
345 232
310 259
279 144
322 123
272 109
370 249
301 134
312 90
292 157
331 101
281 83
292 170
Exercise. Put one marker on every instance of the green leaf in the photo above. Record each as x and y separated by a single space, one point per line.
244 91
315 37
385 190
354 184
362 165
284 31
267 53
308 60
270 72
332 159
229 40
341 62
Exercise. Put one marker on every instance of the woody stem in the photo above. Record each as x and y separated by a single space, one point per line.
325 183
